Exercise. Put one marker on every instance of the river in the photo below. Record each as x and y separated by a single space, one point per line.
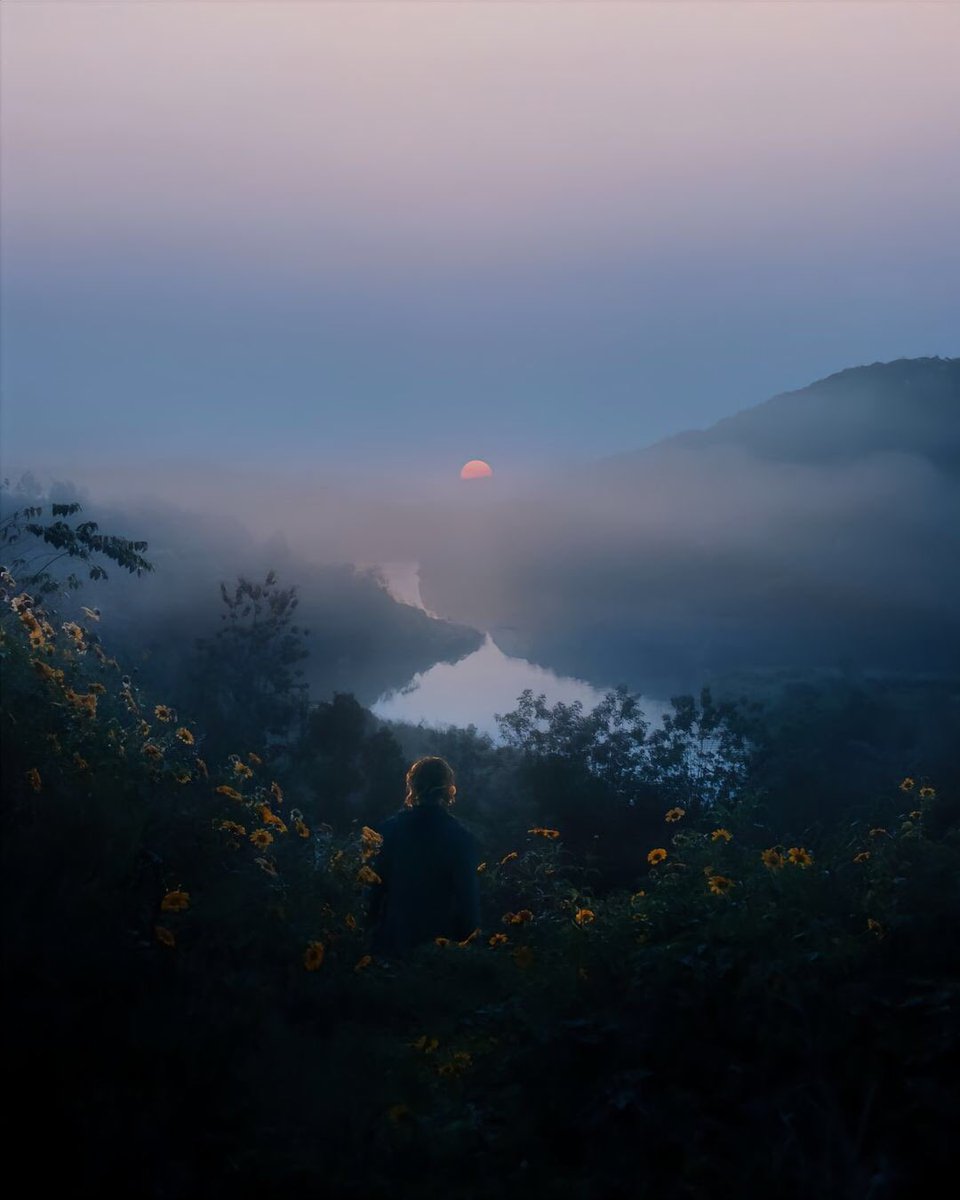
484 683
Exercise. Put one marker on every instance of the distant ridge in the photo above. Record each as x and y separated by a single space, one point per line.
818 530
908 406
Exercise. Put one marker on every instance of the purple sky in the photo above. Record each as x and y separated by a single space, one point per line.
345 238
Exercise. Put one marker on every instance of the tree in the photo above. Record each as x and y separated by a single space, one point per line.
350 766
248 686
41 544
606 781
584 773
698 757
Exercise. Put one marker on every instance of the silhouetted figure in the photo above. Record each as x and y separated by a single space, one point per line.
428 867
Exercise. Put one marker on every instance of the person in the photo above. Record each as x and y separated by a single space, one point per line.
427 865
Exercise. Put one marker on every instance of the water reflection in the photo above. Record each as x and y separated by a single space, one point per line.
472 690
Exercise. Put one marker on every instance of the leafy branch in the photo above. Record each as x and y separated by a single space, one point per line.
57 538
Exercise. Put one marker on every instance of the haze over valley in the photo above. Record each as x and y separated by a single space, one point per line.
819 530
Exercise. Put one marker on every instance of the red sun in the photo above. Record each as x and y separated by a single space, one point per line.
476 468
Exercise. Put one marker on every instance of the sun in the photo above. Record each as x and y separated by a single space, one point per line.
476 468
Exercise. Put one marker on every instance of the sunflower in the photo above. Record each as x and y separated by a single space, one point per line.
518 918
656 856
268 817
313 956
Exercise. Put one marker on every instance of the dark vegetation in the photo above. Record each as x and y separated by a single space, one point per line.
359 639
718 957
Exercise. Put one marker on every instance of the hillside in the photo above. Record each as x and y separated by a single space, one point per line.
819 529
359 640
909 406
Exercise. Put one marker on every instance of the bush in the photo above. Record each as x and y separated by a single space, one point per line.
193 1009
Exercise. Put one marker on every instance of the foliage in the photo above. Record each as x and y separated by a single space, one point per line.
824 747
699 754
608 741
196 1010
248 682
346 763
40 545
606 778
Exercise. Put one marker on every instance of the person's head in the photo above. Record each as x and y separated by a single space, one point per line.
430 781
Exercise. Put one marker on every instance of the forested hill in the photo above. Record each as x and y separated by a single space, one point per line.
798 533
909 406
359 639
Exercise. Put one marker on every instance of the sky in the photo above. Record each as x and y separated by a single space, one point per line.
370 241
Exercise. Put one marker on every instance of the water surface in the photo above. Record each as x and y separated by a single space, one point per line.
479 686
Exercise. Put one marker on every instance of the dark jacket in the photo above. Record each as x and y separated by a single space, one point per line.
428 867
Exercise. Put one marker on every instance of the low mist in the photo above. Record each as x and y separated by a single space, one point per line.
699 556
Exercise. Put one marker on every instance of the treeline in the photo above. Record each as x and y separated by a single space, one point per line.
360 640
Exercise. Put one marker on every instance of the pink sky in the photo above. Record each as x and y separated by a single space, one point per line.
293 223
462 131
